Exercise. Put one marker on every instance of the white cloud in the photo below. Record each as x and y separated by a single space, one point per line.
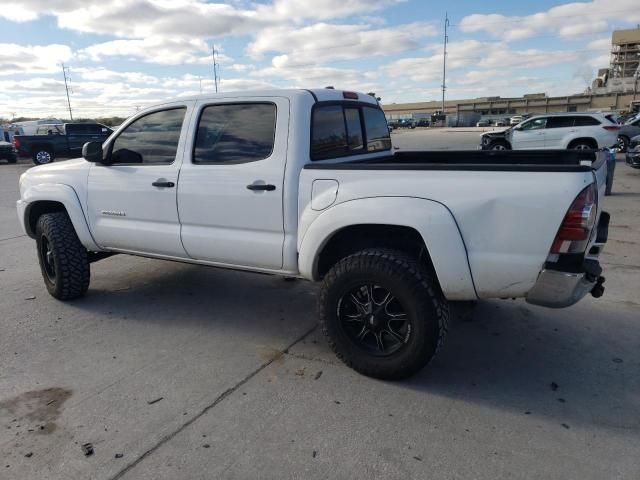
322 42
322 9
569 20
156 49
32 58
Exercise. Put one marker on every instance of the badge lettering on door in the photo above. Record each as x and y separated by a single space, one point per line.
113 213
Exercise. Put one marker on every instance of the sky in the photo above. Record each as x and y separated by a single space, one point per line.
126 54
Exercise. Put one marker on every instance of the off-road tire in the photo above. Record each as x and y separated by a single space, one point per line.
413 285
72 271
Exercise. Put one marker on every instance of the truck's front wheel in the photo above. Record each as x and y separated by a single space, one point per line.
383 314
63 259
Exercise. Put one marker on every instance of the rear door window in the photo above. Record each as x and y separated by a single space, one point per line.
560 122
235 133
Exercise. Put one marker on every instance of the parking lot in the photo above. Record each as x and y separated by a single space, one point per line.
181 371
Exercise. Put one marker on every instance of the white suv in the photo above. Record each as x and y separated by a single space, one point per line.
556 131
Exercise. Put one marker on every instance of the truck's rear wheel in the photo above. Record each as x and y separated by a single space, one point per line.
42 156
383 314
63 259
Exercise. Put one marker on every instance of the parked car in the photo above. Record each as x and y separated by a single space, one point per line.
483 123
500 123
52 141
632 156
515 120
7 152
306 183
555 131
407 123
628 130
423 122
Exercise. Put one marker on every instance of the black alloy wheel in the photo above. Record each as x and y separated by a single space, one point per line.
374 319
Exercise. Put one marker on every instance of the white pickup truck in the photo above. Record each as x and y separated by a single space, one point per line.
305 183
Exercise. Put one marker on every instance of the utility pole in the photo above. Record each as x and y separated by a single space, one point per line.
215 68
444 58
66 86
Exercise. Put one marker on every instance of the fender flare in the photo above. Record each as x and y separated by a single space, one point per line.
433 221
67 196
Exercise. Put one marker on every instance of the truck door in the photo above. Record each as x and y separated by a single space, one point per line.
529 135
230 197
132 202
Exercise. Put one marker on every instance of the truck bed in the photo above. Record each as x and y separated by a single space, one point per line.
506 205
479 160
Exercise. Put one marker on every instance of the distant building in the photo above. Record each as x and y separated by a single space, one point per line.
614 89
624 67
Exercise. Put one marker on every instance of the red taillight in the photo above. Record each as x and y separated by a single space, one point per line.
350 95
575 230
16 142
612 128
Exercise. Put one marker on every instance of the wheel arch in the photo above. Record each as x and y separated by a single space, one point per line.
412 224
49 198
36 147
589 140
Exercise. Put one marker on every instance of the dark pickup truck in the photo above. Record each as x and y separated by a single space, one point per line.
53 141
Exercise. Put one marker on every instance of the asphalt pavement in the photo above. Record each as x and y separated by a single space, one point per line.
175 371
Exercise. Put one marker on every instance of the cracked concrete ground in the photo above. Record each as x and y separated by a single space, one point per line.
176 371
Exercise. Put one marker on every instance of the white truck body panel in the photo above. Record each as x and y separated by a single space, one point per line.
488 232
507 226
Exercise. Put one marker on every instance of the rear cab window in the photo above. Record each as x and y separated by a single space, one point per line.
343 129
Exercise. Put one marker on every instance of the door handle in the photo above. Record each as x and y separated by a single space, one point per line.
163 183
258 187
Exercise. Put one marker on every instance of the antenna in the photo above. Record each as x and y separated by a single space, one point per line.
444 59
215 68
66 87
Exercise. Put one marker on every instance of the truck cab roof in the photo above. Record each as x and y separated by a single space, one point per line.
319 95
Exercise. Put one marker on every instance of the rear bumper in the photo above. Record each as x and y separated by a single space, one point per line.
561 285
556 289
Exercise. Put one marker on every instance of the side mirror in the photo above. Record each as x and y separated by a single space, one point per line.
92 152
